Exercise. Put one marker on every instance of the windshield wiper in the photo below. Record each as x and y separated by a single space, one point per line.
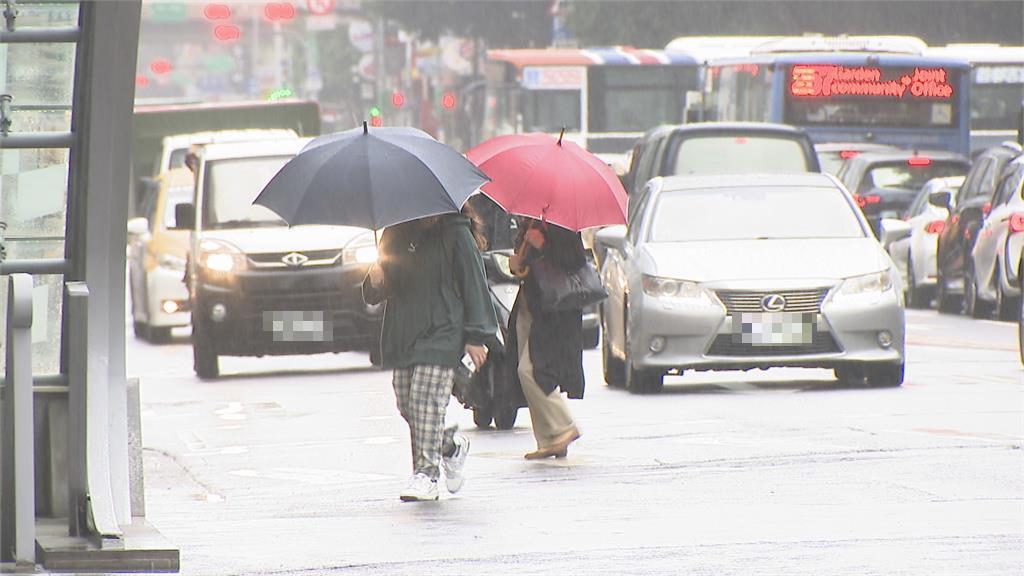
250 224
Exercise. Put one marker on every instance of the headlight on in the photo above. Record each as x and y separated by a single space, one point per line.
874 284
361 250
171 262
219 262
220 257
677 290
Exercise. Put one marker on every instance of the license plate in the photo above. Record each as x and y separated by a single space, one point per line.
298 326
889 214
774 329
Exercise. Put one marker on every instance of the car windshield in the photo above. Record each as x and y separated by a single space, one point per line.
830 161
230 187
903 174
760 213
740 154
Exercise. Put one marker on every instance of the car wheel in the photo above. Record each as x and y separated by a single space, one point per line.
885 374
644 380
159 334
482 416
849 375
614 369
917 297
973 306
591 338
1006 306
204 356
505 417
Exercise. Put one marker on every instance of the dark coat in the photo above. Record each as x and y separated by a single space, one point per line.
556 338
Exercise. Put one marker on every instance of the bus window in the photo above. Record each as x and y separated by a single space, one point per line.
996 95
550 110
634 98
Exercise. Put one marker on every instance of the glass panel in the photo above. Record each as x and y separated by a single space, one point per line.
47 14
33 193
46 324
36 74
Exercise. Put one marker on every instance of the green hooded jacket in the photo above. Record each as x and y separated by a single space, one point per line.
435 293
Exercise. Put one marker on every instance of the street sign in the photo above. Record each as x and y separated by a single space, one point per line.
320 7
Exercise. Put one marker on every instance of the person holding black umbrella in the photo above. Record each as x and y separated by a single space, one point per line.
431 275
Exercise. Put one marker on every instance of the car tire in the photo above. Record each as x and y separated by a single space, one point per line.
591 338
614 369
974 306
505 417
205 361
644 380
917 297
850 375
482 416
158 334
885 374
1006 306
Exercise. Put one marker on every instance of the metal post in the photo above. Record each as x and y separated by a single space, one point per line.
76 309
18 498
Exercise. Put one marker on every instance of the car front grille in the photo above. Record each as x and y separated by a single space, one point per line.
730 345
737 301
315 258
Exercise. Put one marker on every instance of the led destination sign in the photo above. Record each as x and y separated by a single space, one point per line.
830 80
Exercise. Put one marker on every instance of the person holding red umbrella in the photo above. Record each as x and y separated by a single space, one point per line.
561 189
547 345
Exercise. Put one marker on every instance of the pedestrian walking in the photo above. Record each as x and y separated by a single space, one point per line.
431 276
549 342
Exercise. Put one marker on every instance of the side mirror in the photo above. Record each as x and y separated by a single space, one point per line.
894 230
185 216
941 199
611 237
138 226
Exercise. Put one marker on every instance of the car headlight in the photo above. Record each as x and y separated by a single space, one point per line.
874 284
221 257
361 250
171 262
678 290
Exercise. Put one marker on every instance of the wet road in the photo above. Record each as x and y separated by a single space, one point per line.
293 465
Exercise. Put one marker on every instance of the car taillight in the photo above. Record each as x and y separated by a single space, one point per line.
1017 223
873 199
935 227
919 161
847 154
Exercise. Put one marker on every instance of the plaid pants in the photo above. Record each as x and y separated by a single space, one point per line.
422 392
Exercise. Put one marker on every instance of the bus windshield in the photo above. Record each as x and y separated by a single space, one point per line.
634 98
906 97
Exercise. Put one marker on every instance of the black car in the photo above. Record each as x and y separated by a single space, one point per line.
708 148
955 266
885 183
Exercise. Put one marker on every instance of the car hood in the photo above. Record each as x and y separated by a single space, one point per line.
825 260
284 239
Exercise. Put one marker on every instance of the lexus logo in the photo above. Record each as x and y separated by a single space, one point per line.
295 259
773 303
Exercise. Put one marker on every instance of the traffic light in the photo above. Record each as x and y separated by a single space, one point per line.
397 99
217 12
448 100
226 32
375 118
160 66
279 11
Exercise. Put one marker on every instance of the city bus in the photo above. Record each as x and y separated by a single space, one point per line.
875 89
604 97
997 89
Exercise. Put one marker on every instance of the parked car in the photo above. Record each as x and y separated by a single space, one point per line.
701 279
956 242
259 287
156 259
997 250
915 255
832 155
705 148
884 183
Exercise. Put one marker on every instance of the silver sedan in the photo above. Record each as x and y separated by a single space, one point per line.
743 272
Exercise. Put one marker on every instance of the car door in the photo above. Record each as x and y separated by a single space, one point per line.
992 234
954 236
615 274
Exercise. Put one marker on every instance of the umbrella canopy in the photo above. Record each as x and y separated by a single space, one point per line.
538 176
371 179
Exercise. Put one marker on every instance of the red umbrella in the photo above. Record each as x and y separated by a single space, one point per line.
557 181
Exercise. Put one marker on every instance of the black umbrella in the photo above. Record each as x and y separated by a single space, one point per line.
371 179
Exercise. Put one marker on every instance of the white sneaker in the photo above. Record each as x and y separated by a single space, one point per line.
420 487
454 464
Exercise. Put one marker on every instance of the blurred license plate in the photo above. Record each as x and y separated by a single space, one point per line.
774 329
298 326
890 214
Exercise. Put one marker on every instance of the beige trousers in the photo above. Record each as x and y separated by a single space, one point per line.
548 412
